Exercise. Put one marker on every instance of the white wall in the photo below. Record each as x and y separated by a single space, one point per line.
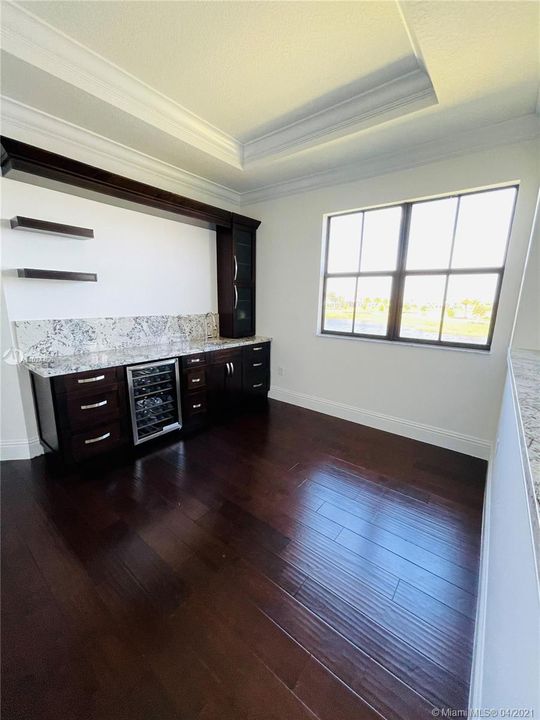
506 668
145 265
18 427
527 329
446 397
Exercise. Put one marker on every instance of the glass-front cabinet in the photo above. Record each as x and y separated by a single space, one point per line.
236 277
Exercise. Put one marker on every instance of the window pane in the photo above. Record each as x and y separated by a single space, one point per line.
468 310
380 240
372 305
339 304
430 234
422 307
344 243
482 229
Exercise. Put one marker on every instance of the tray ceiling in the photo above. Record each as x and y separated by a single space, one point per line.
248 94
241 66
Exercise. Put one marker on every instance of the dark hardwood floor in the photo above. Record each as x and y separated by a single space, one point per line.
285 565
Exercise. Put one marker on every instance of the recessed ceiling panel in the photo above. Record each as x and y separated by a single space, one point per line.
241 66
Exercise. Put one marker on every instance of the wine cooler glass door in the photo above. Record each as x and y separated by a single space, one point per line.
154 397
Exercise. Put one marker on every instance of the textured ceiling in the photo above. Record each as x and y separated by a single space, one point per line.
238 65
249 67
474 48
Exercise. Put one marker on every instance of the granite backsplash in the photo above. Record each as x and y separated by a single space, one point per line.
42 339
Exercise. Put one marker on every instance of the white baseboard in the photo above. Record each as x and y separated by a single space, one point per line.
20 449
399 426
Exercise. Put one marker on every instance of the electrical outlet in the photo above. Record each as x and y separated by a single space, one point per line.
280 370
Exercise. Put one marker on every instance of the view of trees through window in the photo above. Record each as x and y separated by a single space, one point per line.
428 271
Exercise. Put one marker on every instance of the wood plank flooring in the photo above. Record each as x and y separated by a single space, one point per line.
283 566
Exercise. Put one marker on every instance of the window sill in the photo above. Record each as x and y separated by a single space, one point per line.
404 343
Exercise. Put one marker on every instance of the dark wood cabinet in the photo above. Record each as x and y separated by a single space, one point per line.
256 371
194 391
225 381
236 250
84 415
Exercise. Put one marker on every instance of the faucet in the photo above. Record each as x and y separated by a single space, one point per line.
211 325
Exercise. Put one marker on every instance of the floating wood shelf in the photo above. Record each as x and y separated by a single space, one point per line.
52 228
56 275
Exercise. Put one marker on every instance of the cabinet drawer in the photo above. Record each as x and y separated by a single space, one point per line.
231 355
256 353
194 404
195 379
193 361
257 382
256 363
96 441
87 410
84 382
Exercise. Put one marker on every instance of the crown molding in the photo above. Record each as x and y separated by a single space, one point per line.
36 42
405 89
38 128
520 129
35 127
403 94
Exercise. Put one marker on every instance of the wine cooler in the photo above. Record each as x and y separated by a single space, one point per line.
154 398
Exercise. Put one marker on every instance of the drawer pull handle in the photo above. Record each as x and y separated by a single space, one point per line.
97 439
94 405
256 349
257 364
195 380
258 385
197 406
195 360
92 379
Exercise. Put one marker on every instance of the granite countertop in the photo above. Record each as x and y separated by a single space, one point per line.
65 364
526 371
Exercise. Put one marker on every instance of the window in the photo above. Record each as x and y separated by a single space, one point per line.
423 272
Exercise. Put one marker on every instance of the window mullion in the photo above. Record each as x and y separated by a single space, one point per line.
354 307
449 269
358 268
361 243
325 273
495 307
399 277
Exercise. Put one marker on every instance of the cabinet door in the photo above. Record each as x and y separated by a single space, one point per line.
244 310
233 383
216 386
243 241
225 385
236 277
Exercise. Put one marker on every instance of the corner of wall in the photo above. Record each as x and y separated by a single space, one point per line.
441 437
20 449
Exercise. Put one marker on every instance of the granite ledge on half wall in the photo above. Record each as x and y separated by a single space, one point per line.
64 365
525 367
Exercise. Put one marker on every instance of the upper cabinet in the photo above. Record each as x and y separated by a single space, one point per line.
236 277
